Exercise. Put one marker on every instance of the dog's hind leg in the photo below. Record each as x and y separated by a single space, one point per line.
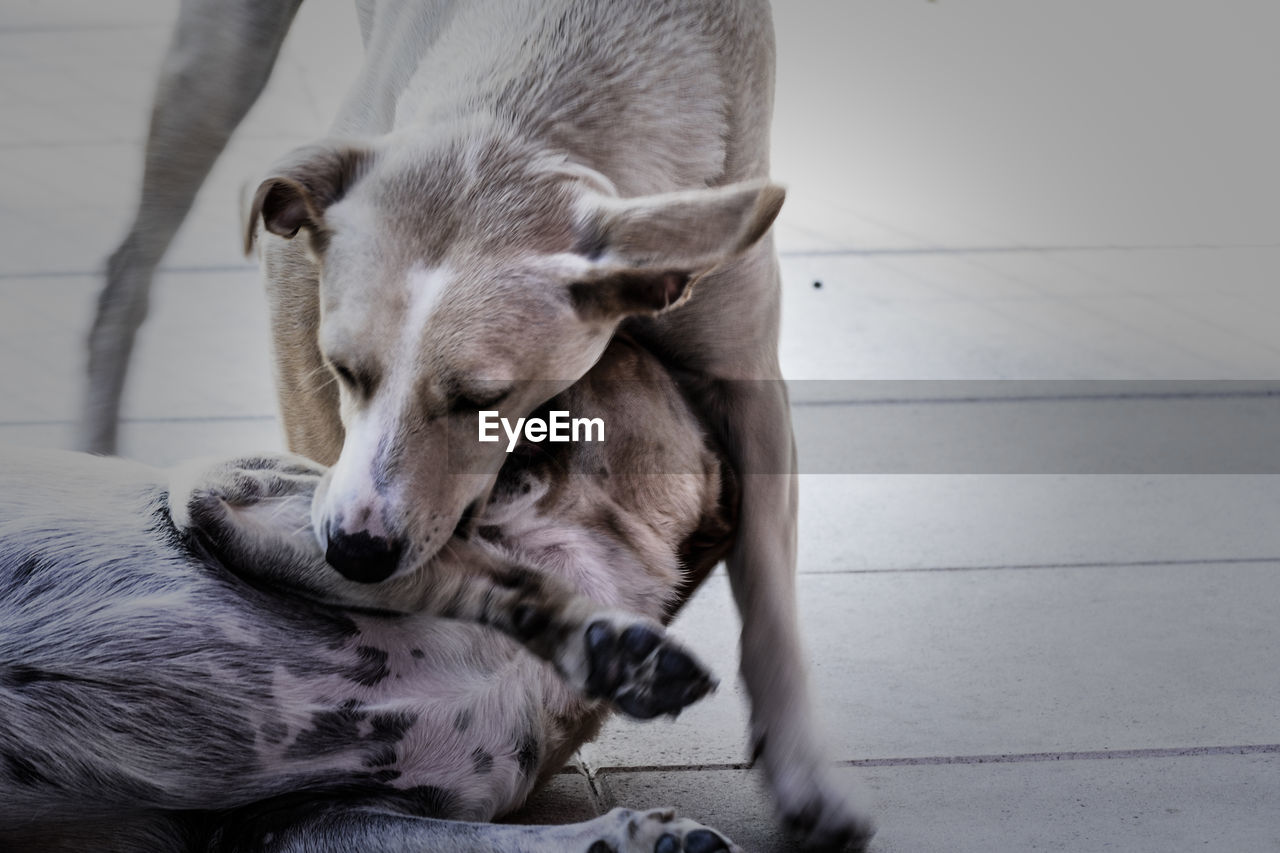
220 58
341 828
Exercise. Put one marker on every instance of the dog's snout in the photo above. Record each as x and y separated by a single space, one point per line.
362 557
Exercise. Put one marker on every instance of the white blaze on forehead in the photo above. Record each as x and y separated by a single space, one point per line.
425 288
562 266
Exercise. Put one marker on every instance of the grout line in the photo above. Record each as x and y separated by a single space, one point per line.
1049 398
1116 564
176 419
1089 755
794 253
1013 250
1005 758
602 799
48 29
96 273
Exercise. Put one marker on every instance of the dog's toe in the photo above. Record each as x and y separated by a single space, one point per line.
658 831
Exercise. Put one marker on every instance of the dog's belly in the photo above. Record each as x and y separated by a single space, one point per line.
457 718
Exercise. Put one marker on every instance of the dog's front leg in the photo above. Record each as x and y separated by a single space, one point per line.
762 575
367 828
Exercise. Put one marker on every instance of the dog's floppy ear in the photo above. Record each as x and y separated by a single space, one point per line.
301 188
646 252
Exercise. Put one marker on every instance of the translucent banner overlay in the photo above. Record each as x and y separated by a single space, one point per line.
941 427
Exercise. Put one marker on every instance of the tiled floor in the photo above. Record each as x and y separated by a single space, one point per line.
1014 650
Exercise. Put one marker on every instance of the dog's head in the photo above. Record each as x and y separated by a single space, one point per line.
460 276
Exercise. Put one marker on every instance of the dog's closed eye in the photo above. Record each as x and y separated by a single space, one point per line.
356 380
475 399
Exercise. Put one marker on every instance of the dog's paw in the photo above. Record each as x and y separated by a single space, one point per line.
819 812
633 663
641 669
247 509
203 489
656 831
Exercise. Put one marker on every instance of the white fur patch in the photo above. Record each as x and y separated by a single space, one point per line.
425 287
352 493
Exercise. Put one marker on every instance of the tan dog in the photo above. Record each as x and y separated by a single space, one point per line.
509 183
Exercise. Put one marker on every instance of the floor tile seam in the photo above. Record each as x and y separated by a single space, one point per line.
1015 399
785 254
1015 567
52 29
1017 249
147 421
602 797
6 277
992 758
1070 755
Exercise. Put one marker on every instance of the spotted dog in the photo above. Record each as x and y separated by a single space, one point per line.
181 671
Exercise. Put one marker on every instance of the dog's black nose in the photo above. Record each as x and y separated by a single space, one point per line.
361 557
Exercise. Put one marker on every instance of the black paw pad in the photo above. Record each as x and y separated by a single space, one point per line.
677 665
604 670
704 841
643 673
601 847
667 844
680 681
639 642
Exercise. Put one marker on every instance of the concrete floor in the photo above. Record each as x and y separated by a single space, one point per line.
1041 613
